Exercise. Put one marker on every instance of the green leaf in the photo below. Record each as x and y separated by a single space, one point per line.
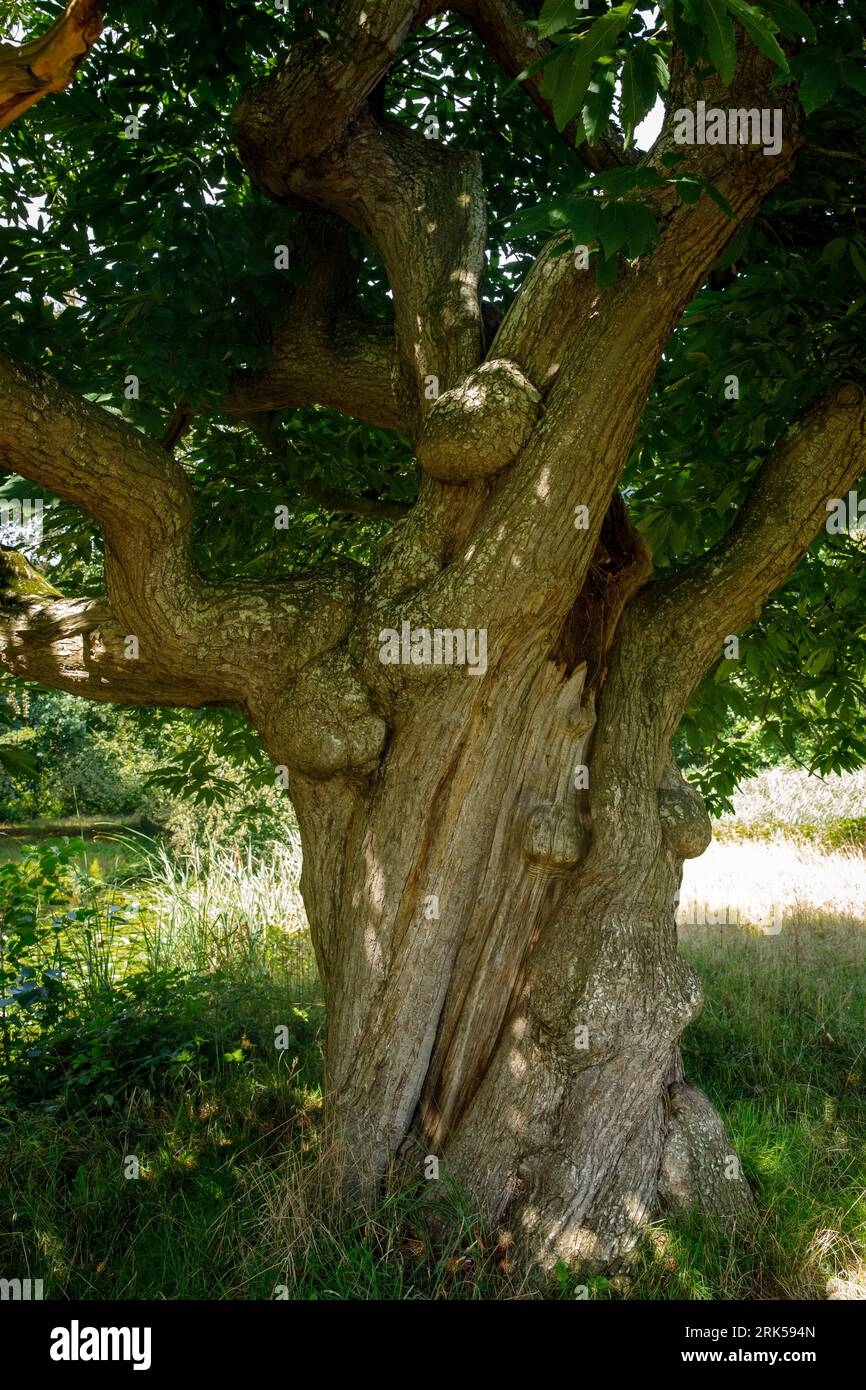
639 89
859 261
529 221
546 61
626 179
663 77
689 189
834 250
719 199
606 271
613 228
583 219
817 86
600 39
556 15
790 18
568 85
565 84
643 231
16 760
598 103
854 76
719 30
681 21
761 31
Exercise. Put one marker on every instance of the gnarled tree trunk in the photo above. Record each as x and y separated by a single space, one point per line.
493 913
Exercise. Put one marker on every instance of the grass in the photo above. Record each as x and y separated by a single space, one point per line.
173 1064
830 811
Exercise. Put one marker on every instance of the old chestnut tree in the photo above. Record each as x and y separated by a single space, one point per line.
384 390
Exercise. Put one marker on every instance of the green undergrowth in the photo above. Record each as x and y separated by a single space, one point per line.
157 1142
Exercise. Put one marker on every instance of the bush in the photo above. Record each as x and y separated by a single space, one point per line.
157 1031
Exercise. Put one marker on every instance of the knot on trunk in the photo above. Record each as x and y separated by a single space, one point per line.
331 727
699 1168
686 827
554 840
479 427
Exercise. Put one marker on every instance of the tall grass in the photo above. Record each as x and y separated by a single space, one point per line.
213 910
790 794
235 1198
775 885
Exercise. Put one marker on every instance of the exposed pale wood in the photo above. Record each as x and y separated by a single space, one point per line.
49 63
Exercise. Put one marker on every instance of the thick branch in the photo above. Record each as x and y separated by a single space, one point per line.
671 633
324 351
228 644
77 645
593 354
49 63
689 616
307 138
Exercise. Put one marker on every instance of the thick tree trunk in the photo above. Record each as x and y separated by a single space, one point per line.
500 960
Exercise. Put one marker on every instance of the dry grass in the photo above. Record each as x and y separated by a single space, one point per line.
790 794
773 885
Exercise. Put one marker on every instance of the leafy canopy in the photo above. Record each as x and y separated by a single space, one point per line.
154 257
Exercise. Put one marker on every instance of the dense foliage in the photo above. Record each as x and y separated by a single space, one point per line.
132 245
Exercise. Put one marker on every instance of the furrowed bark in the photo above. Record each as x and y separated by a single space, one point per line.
31 70
485 910
491 854
78 646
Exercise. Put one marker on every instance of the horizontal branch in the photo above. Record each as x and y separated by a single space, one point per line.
199 642
47 64
324 351
78 646
350 371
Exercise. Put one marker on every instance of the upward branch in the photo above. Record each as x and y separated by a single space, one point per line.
308 138
593 355
684 620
